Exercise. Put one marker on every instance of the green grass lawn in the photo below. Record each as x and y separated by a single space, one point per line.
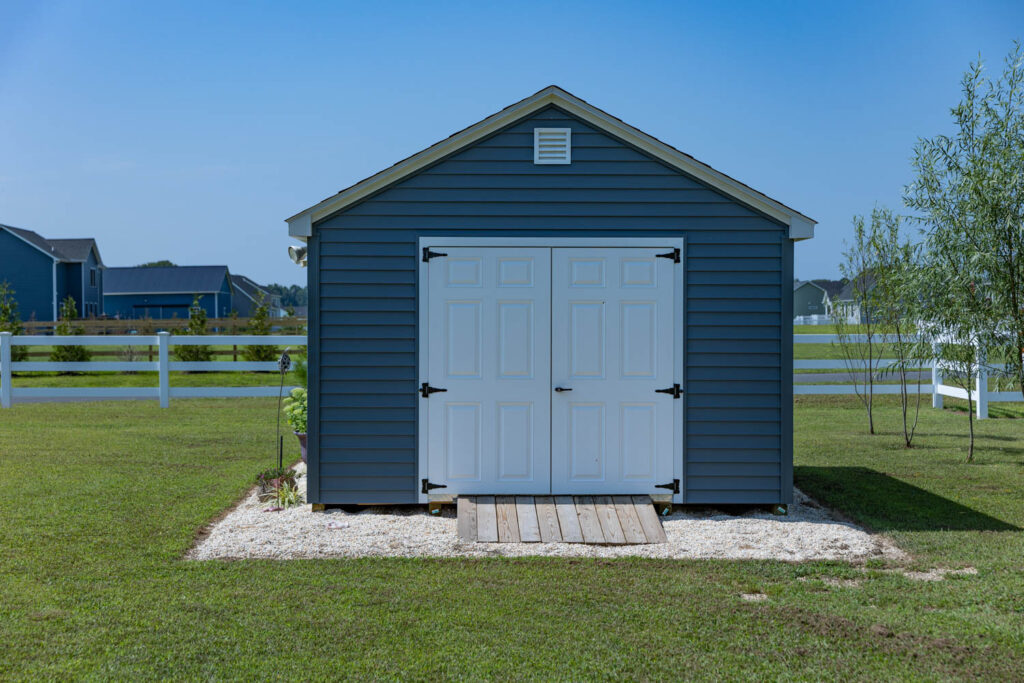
102 499
149 379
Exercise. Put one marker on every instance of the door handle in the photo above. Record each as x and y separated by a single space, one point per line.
561 389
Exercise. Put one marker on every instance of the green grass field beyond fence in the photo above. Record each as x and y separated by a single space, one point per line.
101 500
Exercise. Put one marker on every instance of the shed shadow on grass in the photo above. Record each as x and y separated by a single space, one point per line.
885 503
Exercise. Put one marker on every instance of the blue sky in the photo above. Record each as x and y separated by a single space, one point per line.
189 131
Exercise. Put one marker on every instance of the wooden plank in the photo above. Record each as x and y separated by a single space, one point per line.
589 524
547 519
629 520
486 520
526 512
568 519
508 525
649 520
609 520
467 519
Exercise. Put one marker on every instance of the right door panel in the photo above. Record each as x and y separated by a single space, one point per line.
612 348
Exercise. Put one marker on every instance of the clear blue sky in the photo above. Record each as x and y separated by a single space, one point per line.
190 130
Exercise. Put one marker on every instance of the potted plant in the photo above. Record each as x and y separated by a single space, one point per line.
295 412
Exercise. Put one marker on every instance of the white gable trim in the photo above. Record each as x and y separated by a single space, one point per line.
801 227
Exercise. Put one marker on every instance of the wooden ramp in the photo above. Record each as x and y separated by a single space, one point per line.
559 519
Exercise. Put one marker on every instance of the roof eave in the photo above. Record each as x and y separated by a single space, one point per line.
801 227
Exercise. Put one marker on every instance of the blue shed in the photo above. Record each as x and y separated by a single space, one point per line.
167 292
550 302
43 272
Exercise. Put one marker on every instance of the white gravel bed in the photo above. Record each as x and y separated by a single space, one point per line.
808 532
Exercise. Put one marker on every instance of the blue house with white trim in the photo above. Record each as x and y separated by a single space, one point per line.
43 272
550 301
167 292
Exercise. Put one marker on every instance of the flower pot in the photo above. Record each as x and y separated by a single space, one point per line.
302 444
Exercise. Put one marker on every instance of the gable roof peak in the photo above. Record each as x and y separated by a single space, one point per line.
800 226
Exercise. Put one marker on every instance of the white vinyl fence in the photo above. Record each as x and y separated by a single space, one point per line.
163 366
981 394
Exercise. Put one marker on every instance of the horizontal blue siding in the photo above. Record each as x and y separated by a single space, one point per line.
30 273
363 270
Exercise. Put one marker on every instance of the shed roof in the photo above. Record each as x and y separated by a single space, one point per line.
164 280
801 227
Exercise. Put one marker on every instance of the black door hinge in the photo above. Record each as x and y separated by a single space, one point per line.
673 487
674 255
426 390
427 254
427 486
675 391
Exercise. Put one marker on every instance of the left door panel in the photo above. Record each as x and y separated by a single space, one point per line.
488 346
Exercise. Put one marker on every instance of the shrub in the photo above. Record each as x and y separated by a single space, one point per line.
295 410
259 323
10 321
66 328
196 327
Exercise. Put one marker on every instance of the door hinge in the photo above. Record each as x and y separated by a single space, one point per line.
673 486
426 390
427 486
427 254
674 255
675 391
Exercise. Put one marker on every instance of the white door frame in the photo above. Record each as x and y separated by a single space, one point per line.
678 345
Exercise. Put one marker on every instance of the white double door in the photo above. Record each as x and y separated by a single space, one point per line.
550 360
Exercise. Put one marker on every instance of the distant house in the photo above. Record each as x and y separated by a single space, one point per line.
809 298
248 294
844 305
167 292
43 272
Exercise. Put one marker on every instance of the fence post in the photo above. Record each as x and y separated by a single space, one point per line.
936 378
981 383
5 369
163 366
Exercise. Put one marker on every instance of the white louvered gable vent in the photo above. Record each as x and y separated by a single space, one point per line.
552 145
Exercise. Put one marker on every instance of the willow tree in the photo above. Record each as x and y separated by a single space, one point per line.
897 307
858 341
969 195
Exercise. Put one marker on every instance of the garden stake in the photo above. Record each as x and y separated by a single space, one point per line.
283 364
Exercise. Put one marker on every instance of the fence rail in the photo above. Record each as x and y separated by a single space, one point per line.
111 326
981 394
163 366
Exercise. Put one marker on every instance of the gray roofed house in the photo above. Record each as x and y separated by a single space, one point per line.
808 298
167 292
43 272
248 294
844 300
